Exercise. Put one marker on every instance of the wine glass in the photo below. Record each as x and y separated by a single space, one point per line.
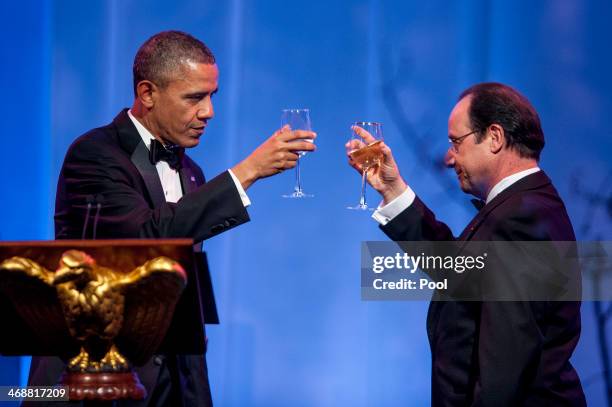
367 153
297 119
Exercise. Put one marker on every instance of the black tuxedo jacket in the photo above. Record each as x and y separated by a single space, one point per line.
501 353
113 161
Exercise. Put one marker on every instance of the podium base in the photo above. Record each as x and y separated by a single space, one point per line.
103 386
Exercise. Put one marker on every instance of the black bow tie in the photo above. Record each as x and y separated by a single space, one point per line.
478 203
173 155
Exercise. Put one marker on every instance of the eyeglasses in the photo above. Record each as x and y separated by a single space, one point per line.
455 141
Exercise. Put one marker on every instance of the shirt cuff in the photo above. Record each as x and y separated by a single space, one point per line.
243 196
384 214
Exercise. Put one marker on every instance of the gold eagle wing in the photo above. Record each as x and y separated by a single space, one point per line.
151 292
29 287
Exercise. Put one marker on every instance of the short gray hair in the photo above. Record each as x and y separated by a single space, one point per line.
162 55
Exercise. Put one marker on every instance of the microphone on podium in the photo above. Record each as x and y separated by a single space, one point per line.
89 199
99 200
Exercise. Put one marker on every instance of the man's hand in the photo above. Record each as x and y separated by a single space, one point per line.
385 177
276 154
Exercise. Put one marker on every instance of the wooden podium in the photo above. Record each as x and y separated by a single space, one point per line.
151 288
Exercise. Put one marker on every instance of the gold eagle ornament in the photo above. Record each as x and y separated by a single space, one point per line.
101 307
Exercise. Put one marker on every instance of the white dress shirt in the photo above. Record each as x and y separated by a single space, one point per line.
509 180
169 177
384 214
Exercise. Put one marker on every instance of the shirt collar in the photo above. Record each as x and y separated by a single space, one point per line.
142 130
509 180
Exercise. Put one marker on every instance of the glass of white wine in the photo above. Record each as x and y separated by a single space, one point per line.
365 150
297 119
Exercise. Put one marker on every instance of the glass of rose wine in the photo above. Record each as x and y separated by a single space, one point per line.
365 150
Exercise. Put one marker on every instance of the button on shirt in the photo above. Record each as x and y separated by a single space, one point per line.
384 214
169 177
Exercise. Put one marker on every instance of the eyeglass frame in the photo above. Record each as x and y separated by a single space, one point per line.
455 142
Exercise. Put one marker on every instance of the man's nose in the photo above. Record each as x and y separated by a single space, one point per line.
449 158
206 111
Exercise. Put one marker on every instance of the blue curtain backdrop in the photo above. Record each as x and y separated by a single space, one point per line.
294 331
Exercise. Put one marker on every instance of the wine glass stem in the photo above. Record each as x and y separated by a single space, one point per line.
298 179
362 200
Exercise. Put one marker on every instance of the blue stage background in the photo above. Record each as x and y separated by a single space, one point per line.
294 331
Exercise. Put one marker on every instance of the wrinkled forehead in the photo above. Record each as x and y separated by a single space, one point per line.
197 74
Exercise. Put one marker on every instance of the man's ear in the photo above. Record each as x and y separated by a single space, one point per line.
497 138
147 91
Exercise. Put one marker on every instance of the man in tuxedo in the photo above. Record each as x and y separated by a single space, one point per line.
136 169
492 353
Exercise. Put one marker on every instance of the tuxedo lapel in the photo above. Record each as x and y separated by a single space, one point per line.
532 181
132 143
471 228
149 174
188 177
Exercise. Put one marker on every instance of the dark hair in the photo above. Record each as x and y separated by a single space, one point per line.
162 55
498 103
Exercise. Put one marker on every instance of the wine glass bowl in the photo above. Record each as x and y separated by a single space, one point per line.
297 119
369 155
